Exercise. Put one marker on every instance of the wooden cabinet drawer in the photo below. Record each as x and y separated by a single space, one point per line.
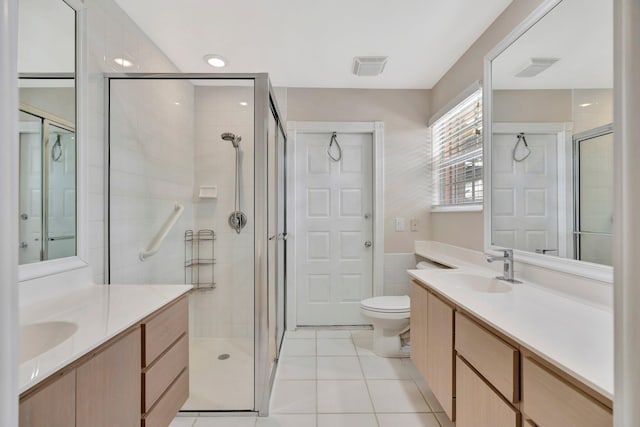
164 329
163 371
165 409
549 401
477 405
493 358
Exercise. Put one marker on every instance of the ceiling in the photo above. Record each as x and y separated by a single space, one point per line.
579 33
46 37
306 43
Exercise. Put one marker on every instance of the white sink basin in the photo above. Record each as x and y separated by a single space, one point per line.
479 283
36 338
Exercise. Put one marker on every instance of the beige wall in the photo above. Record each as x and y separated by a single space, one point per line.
466 229
598 113
462 229
469 68
60 102
406 177
532 105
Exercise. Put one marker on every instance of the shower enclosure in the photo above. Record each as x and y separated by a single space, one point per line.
47 226
208 152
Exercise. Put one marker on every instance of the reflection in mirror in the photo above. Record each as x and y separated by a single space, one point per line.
47 194
47 161
594 195
551 145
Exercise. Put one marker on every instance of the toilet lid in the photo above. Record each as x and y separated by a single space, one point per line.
394 304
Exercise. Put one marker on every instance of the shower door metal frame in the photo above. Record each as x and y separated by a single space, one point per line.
577 228
264 102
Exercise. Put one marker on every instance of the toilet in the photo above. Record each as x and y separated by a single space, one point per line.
389 316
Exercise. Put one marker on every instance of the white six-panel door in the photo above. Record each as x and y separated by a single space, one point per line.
334 223
525 194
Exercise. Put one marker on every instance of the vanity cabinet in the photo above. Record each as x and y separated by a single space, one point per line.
549 401
53 405
440 357
108 385
418 326
487 377
138 378
431 323
483 378
493 358
165 373
477 404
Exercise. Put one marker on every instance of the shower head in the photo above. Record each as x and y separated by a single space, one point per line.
231 137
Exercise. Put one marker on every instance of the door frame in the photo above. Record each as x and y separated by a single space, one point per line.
294 128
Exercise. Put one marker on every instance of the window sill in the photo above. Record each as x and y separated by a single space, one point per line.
457 208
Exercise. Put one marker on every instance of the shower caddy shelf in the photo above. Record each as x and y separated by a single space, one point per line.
198 265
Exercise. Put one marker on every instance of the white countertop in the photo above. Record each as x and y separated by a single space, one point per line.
570 334
100 312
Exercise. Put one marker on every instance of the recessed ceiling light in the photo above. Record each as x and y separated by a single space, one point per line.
123 62
215 61
176 103
244 103
586 104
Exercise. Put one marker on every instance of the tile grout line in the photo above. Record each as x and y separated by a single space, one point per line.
366 384
433 412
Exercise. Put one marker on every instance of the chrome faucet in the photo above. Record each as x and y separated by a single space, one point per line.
508 265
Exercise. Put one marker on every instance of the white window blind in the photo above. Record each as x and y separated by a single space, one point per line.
457 154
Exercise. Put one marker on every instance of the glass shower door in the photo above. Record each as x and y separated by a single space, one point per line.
276 172
594 181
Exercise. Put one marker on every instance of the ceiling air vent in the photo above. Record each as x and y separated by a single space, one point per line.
536 66
369 65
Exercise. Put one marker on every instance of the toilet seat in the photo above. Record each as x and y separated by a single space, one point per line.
387 304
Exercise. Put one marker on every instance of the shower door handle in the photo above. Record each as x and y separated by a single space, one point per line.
279 236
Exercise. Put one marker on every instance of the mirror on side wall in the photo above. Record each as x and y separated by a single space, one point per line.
47 214
551 136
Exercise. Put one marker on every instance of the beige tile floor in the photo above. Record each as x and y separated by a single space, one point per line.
331 378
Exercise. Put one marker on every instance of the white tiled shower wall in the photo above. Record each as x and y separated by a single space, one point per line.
111 34
152 169
228 310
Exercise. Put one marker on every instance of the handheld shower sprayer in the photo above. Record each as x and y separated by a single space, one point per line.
237 218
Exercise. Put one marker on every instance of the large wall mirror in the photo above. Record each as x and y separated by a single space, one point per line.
549 150
47 214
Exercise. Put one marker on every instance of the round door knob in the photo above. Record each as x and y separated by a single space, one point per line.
368 244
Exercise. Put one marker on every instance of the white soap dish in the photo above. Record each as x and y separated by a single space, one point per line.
208 192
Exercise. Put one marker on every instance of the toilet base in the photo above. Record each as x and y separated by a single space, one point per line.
388 345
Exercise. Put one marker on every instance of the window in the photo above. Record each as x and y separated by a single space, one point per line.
457 154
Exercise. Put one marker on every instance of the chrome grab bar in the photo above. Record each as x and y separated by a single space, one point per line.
154 246
55 238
